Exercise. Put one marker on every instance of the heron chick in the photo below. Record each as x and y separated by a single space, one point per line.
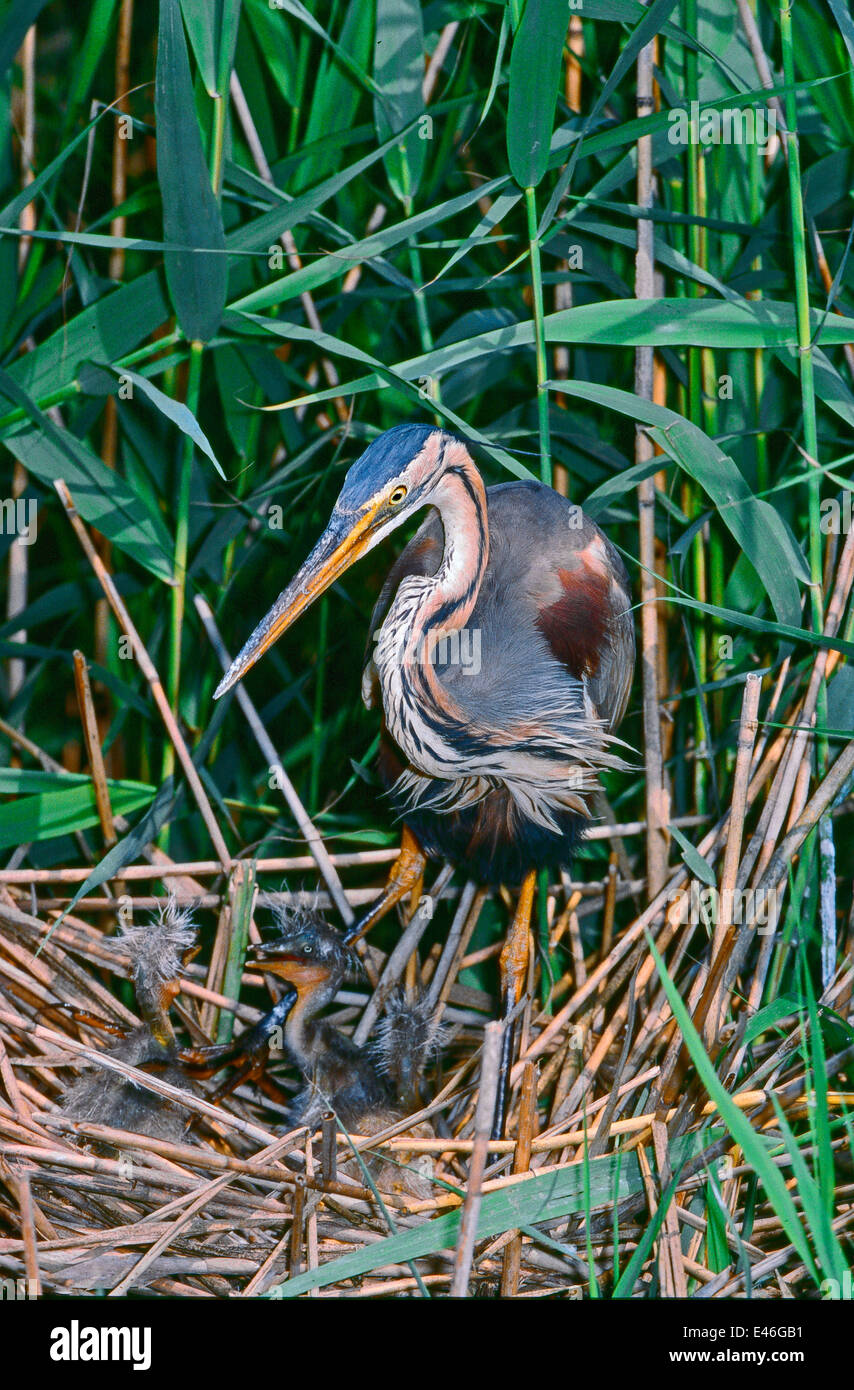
159 950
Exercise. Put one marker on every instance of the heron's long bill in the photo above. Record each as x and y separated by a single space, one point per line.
340 545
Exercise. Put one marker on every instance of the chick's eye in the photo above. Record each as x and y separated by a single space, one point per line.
397 497
308 950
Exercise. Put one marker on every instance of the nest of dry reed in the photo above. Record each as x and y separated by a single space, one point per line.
619 1167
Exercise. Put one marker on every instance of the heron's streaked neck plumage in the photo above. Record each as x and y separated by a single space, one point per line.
461 502
428 608
444 602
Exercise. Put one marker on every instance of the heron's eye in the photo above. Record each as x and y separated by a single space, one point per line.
397 496
307 949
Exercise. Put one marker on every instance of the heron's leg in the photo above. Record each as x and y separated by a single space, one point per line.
248 1054
407 872
514 968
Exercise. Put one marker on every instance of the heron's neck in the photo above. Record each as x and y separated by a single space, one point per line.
429 609
460 499
301 1028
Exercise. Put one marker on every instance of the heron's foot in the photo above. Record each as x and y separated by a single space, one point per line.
245 1060
204 1062
514 970
407 875
51 1011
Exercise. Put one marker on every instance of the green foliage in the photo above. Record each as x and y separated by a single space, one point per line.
421 298
537 48
196 270
314 93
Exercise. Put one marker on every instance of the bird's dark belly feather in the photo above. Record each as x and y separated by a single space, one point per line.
492 841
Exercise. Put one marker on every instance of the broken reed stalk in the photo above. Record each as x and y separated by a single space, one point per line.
708 1026
670 1259
94 755
28 1226
521 1164
307 827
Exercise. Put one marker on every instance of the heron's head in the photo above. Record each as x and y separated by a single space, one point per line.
395 476
306 952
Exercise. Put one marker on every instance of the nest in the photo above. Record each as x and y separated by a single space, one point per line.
623 1167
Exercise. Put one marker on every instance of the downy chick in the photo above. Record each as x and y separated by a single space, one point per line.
368 1088
158 951
311 956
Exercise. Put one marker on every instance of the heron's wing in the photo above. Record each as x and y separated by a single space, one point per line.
574 585
555 598
611 692
587 623
422 555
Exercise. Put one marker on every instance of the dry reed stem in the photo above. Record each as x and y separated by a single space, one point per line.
671 1267
487 1095
657 798
94 755
209 1189
306 826
451 959
521 1164
18 572
708 1023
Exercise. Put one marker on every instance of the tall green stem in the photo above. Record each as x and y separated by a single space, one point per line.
693 503
547 973
761 443
422 316
182 532
540 339
220 112
802 310
827 856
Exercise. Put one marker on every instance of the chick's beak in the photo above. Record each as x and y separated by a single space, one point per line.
341 544
288 965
